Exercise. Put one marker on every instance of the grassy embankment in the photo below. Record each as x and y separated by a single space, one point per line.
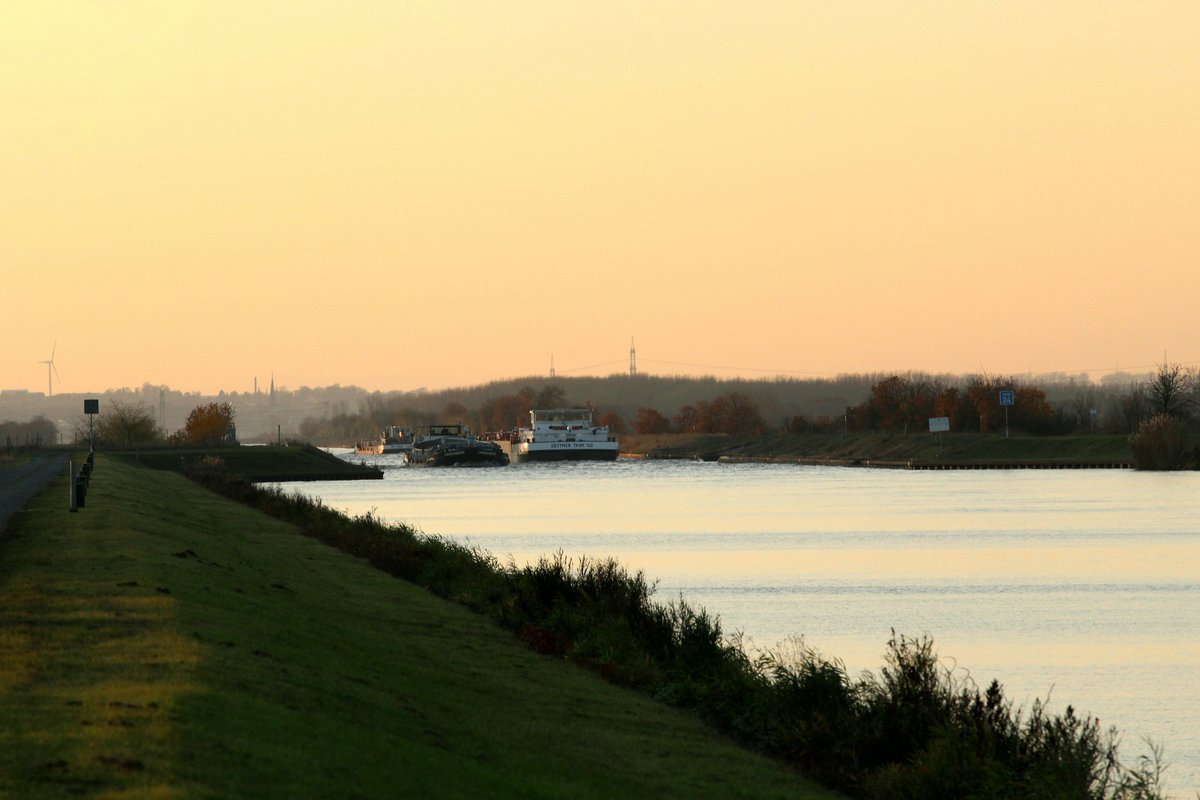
259 464
918 448
919 728
167 642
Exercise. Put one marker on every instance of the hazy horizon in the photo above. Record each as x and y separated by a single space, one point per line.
1106 380
401 195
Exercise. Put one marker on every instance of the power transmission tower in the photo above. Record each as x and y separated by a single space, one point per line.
632 359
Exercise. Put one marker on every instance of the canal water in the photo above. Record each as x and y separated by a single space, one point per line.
1080 586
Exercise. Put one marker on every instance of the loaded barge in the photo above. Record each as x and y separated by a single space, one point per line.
453 446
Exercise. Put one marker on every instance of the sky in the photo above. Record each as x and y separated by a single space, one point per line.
399 195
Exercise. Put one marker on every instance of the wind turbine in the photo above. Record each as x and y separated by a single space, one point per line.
51 370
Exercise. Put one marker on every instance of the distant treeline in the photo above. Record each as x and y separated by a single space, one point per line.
650 404
37 432
334 415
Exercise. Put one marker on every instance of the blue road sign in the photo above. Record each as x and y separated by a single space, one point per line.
1008 397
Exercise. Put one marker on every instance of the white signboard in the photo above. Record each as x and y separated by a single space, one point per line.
939 424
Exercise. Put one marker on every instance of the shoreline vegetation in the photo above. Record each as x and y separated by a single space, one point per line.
1150 421
917 728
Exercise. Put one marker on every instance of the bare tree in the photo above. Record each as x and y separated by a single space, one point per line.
1170 392
124 425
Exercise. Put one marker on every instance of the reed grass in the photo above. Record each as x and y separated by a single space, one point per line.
1161 443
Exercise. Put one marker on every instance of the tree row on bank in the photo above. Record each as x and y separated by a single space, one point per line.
135 425
887 403
37 432
891 403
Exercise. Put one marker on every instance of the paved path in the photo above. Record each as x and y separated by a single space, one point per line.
19 483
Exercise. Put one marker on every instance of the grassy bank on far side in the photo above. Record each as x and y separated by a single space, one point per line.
165 642
920 447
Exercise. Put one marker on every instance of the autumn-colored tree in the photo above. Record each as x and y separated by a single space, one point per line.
902 404
507 411
650 421
886 407
1032 413
732 413
207 424
614 422
858 418
948 404
984 392
921 403
687 420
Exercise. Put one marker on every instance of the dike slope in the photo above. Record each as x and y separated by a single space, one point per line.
166 642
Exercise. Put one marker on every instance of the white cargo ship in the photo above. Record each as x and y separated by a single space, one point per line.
562 434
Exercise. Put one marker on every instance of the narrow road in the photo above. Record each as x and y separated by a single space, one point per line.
21 482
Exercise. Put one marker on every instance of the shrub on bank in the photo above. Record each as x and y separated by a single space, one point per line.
1160 443
916 730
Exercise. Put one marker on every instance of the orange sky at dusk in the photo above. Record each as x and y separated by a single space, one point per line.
398 195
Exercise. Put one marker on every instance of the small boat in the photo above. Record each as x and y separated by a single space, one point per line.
393 440
452 446
562 434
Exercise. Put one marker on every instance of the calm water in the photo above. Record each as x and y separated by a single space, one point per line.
1083 586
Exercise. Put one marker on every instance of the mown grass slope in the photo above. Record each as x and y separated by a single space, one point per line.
165 642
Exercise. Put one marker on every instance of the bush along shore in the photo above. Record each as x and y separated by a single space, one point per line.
917 729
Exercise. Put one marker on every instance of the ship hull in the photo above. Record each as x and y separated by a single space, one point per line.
486 455
565 451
